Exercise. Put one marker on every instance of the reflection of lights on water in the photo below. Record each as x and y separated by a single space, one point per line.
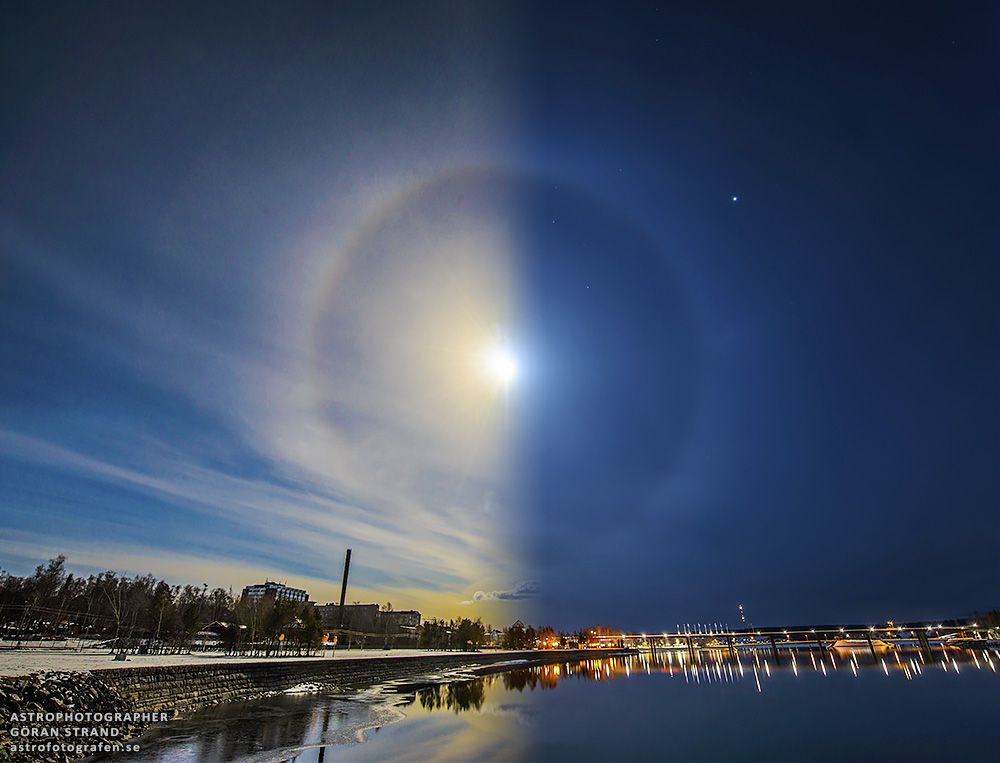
756 676
719 666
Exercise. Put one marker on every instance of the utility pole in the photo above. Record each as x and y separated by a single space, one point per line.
343 595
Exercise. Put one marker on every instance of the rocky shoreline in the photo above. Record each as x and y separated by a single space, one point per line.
111 706
61 708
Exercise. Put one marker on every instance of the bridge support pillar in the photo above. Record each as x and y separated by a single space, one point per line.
871 645
925 645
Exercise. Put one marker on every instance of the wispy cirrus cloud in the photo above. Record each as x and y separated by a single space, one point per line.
359 423
242 358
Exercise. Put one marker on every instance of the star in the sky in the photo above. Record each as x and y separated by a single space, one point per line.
735 199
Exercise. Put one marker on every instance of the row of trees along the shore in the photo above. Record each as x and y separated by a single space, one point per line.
147 614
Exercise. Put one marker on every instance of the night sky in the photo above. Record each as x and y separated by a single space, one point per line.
745 256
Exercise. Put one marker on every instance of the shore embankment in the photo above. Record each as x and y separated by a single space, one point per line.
23 662
186 688
151 692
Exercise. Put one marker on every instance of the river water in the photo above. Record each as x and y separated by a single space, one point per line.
809 706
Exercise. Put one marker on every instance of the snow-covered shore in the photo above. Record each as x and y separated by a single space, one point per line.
24 662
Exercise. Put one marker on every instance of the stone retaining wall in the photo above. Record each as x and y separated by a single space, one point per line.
182 689
185 688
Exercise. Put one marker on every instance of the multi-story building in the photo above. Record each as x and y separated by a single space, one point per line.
361 618
369 618
401 619
280 591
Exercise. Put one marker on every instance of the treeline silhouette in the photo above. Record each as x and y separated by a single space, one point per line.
146 614
143 612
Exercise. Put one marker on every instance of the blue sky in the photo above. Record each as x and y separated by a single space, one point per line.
252 258
189 224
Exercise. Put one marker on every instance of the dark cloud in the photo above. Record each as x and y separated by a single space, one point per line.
525 590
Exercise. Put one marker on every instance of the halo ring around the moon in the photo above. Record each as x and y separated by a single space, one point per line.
521 204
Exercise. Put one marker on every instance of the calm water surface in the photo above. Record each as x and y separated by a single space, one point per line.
810 706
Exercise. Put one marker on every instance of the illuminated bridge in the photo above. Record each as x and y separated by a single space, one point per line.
823 637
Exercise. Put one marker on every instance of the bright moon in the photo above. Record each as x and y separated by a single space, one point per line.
501 365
